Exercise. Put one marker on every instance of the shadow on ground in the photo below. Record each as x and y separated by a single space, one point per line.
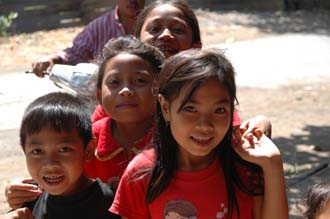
306 158
309 149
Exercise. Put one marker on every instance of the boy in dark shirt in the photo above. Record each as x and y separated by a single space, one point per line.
56 138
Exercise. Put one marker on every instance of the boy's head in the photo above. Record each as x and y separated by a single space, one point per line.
56 139
125 78
59 111
129 9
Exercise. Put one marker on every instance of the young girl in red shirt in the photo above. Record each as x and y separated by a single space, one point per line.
196 168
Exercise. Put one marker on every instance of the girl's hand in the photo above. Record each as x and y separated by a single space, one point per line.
21 213
20 191
259 122
255 147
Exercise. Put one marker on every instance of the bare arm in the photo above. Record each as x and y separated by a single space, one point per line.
259 149
45 64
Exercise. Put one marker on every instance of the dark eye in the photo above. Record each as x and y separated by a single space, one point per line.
65 149
220 110
189 109
112 82
178 30
141 81
36 151
153 29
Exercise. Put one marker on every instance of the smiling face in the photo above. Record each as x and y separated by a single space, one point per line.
126 89
166 28
202 122
130 8
55 160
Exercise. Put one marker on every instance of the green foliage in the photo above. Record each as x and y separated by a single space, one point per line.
6 21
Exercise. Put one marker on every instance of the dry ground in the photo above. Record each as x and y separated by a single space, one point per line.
299 113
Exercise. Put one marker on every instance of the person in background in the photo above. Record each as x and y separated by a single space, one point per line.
56 139
90 42
195 162
316 204
172 26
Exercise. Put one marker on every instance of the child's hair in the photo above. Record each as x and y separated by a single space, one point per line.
130 45
182 5
192 68
318 196
59 111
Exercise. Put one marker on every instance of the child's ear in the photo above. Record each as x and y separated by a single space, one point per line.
99 96
165 106
90 149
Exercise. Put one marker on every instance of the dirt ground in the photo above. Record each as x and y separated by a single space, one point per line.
299 112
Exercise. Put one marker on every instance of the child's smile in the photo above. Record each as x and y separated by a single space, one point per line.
126 88
200 125
55 160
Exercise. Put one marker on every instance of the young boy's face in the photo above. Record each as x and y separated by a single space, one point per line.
126 89
56 160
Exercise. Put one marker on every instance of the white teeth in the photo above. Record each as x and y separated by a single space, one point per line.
53 179
202 138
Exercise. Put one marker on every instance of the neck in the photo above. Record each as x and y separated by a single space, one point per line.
127 134
128 23
195 163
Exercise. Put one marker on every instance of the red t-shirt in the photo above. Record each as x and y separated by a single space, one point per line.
110 158
199 194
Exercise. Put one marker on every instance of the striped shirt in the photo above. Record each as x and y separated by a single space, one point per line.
90 42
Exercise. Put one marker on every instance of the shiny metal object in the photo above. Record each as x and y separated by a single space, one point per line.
77 79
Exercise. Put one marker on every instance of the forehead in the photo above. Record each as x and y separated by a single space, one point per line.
127 61
166 12
210 91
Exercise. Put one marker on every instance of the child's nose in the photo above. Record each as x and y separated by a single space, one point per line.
126 91
166 34
205 124
51 160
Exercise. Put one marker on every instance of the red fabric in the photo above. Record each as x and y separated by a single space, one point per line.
102 165
90 42
200 194
236 120
99 113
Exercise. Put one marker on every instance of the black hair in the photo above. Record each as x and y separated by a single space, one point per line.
193 67
318 196
130 45
59 111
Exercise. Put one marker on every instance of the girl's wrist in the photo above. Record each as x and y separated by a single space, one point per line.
272 163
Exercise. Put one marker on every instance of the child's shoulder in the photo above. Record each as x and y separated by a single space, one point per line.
143 160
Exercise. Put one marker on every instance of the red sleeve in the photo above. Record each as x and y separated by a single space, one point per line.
236 120
99 113
130 196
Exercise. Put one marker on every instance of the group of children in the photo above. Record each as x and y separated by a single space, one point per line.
165 136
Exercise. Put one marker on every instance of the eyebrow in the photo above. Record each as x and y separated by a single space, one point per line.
221 101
